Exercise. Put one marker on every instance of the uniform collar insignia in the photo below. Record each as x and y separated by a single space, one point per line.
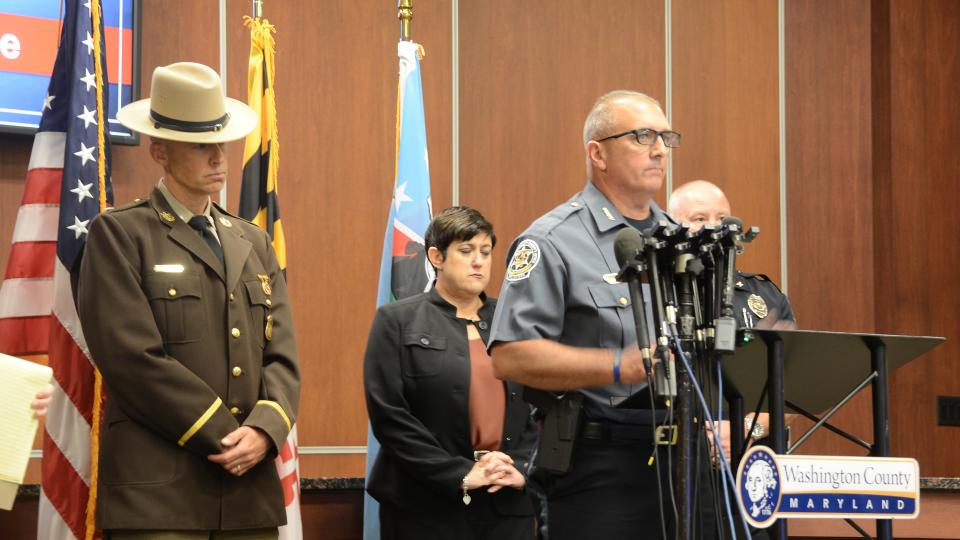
605 216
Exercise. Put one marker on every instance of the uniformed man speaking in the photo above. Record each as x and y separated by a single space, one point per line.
564 323
185 311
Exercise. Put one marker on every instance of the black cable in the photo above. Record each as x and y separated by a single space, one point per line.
673 495
715 487
695 513
704 373
656 459
699 393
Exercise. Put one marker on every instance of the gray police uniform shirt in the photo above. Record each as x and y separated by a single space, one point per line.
560 286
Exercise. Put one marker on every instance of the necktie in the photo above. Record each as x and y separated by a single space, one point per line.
201 224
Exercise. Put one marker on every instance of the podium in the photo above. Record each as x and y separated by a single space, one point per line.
814 373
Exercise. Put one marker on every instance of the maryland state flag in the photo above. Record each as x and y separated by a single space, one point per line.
404 269
259 204
261 161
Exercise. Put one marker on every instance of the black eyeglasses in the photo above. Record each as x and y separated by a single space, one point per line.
671 139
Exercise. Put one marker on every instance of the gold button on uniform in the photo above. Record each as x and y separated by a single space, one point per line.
234 410
269 303
237 371
623 301
231 297
172 292
235 332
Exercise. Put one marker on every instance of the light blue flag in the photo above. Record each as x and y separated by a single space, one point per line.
404 269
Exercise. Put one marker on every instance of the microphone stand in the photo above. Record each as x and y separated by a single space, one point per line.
729 242
675 262
662 277
686 464
629 249
665 383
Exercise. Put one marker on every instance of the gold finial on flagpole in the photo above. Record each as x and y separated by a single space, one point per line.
257 9
405 14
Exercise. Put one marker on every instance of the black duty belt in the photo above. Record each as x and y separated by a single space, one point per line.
664 435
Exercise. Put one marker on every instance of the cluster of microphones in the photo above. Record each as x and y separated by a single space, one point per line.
691 277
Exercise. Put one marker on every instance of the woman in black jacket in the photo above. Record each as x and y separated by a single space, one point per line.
454 439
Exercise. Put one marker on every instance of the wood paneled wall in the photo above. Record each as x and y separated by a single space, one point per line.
870 121
830 184
530 72
916 256
725 103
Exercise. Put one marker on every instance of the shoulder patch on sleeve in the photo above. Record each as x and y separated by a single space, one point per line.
524 260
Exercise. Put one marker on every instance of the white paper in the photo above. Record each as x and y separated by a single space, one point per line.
8 494
20 380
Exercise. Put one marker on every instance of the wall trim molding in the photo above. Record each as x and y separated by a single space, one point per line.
302 450
222 11
782 105
668 78
455 101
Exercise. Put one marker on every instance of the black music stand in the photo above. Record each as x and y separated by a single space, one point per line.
813 372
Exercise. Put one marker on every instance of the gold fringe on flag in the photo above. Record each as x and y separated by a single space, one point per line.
91 512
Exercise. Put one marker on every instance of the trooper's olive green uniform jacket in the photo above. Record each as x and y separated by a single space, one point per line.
188 352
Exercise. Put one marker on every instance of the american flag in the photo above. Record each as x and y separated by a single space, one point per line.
67 185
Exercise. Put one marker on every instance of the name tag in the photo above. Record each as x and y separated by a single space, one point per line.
168 268
610 278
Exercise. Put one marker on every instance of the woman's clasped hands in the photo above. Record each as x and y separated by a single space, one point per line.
494 469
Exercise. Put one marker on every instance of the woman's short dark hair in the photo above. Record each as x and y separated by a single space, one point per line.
456 224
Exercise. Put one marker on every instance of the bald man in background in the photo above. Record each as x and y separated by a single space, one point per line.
757 301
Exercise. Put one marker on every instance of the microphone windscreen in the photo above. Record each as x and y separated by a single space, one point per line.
627 245
732 220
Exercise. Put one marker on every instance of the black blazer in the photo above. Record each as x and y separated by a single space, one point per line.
417 381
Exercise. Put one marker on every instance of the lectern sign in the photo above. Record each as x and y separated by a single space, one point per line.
771 486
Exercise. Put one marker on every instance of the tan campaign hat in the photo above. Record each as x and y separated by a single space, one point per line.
187 104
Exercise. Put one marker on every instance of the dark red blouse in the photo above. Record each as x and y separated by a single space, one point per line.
487 400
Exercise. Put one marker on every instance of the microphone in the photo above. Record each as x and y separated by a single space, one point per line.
734 225
742 235
628 248
732 220
726 324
